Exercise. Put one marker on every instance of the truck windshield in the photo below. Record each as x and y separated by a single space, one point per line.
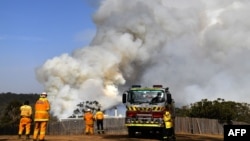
146 96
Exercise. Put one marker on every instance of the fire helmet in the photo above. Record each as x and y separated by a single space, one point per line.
43 94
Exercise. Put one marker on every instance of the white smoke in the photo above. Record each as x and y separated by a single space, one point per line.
198 48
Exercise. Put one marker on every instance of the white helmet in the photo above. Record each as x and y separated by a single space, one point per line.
43 94
88 110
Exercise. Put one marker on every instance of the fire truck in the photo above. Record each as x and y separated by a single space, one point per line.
144 115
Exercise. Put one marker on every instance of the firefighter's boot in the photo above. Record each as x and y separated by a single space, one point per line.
27 137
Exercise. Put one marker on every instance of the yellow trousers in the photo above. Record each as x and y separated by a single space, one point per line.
89 129
40 127
25 123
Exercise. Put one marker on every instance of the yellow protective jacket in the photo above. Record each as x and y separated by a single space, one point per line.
89 118
42 108
167 119
99 115
26 111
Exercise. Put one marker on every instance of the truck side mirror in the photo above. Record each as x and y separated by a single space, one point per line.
169 98
124 98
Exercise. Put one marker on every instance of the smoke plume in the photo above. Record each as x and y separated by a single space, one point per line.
197 48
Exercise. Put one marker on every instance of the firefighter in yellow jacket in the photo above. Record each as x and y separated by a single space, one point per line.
89 122
168 131
42 108
99 116
25 121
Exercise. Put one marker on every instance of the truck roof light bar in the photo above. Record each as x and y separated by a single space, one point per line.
136 86
157 86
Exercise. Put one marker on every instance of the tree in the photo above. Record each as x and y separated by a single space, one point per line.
83 106
11 113
182 112
224 111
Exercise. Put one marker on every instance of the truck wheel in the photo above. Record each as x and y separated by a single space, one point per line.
174 138
145 133
131 132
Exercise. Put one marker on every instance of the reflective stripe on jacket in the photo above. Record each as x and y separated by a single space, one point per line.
42 108
99 115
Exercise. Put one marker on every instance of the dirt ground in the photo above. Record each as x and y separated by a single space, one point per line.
179 137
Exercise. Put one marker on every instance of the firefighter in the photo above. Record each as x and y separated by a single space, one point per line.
41 119
89 122
168 130
99 116
158 98
25 121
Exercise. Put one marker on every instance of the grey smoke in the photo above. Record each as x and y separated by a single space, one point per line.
197 48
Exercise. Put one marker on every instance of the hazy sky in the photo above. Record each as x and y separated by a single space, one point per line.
32 31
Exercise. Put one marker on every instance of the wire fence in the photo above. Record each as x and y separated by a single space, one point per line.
77 126
116 125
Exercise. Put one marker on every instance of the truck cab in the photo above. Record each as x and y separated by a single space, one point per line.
145 107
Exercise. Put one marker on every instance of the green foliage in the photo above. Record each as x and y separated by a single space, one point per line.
6 98
10 105
11 113
182 112
224 111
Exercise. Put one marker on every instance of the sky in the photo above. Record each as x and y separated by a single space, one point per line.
91 50
32 31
